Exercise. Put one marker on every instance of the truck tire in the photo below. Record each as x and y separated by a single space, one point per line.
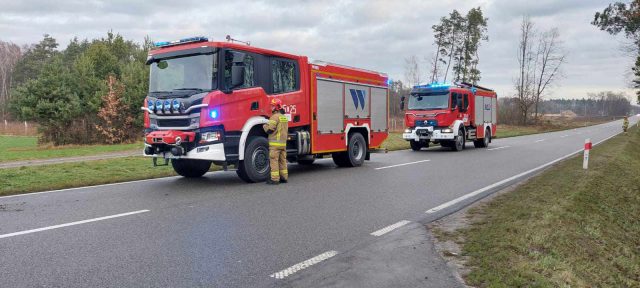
484 142
255 166
190 168
356 152
415 145
459 143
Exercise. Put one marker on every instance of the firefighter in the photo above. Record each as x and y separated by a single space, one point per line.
277 128
625 124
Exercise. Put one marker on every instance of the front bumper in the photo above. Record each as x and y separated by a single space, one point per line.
427 133
162 144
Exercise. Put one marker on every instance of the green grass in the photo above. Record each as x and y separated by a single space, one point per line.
565 227
67 175
16 148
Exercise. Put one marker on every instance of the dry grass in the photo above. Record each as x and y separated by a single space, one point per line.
18 128
564 228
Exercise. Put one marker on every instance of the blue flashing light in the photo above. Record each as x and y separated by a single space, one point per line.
159 105
175 105
150 105
181 41
167 106
389 82
434 85
213 113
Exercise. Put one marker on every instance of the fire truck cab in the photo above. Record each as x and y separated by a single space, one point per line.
450 115
208 101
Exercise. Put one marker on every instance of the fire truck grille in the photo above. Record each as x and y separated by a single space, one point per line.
425 123
174 122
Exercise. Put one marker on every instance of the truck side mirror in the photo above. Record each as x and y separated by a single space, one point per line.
402 103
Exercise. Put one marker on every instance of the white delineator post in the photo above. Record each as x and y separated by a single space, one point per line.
587 148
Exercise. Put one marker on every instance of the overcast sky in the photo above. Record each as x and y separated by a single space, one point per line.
376 35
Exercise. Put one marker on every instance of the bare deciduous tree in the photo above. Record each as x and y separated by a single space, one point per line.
412 70
526 76
549 59
9 55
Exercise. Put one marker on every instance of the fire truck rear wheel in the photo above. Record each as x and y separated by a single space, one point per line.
484 142
356 152
255 166
190 168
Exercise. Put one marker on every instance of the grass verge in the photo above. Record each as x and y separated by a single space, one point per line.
565 227
68 175
17 148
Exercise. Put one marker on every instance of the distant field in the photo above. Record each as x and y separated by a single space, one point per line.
16 148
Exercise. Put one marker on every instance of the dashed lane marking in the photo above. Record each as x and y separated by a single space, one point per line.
403 164
304 264
71 224
564 136
390 228
498 148
540 140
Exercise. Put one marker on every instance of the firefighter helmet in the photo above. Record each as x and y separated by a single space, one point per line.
276 104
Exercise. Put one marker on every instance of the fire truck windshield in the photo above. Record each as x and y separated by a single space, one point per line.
429 101
194 72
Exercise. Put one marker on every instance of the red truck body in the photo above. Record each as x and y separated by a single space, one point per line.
220 121
450 115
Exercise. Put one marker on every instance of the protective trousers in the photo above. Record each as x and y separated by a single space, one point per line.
278 163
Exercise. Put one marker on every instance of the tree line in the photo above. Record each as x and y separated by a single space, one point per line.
89 92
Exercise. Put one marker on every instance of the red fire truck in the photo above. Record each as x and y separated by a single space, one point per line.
207 103
450 114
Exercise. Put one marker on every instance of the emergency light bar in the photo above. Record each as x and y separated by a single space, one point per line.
434 85
181 41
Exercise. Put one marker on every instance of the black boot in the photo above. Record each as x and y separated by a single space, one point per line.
283 181
271 182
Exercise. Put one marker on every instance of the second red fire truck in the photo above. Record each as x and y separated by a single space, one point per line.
450 115
208 101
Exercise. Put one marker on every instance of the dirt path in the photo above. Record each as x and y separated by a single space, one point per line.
48 161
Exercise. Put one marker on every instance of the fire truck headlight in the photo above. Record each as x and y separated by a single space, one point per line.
158 106
447 130
167 106
150 105
408 130
210 137
175 105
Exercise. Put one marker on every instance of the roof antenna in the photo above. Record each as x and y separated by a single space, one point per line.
229 39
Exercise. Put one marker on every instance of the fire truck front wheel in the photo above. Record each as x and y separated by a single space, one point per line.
417 145
356 152
190 168
255 166
459 143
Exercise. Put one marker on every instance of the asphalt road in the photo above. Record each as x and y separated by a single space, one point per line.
220 232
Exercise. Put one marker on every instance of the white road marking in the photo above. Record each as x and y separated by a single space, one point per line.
480 191
390 228
537 141
498 148
70 224
304 264
564 136
403 164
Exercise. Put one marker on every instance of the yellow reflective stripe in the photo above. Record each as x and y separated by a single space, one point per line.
277 144
272 122
284 119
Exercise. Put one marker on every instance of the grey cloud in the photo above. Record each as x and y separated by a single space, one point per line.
376 34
